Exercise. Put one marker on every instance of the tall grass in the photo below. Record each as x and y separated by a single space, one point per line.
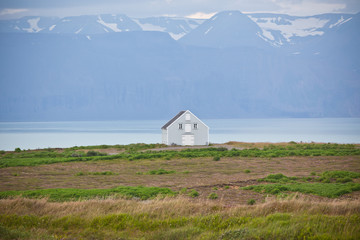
179 218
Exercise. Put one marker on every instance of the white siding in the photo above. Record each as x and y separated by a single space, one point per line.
174 135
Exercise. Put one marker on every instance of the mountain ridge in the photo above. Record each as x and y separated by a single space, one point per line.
146 74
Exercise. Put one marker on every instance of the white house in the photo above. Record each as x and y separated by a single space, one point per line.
185 129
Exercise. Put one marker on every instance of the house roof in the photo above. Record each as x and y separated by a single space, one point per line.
173 119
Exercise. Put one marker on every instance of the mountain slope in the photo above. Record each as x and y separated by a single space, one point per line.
146 74
284 30
93 24
143 75
226 29
176 27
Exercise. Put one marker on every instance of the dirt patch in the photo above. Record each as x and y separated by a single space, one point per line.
223 177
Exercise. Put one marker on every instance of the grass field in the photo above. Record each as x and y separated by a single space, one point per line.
140 191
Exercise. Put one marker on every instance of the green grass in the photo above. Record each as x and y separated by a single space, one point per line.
213 196
278 178
127 148
193 193
330 190
338 176
69 194
210 226
160 172
134 152
296 184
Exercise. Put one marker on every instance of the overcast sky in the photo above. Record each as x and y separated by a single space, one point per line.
179 8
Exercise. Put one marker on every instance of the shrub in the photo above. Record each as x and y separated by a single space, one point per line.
17 150
183 191
313 173
2 152
212 196
193 193
77 154
251 202
221 149
215 188
247 171
278 178
216 158
226 187
94 153
338 176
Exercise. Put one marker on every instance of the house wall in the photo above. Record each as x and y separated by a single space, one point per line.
201 134
164 136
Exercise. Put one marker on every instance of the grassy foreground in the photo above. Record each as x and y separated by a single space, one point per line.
178 218
137 152
230 191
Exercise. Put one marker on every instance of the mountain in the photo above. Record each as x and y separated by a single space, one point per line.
133 74
176 27
27 24
226 29
277 29
284 30
93 24
98 24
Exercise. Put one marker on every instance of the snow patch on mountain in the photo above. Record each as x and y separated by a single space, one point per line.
149 27
33 22
177 36
301 27
78 31
52 27
207 31
340 22
267 34
112 26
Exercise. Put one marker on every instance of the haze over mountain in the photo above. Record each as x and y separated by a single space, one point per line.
109 67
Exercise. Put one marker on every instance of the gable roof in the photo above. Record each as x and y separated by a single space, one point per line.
173 119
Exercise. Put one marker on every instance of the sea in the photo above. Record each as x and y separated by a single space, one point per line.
35 135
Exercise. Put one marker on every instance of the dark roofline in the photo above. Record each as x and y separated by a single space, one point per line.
173 119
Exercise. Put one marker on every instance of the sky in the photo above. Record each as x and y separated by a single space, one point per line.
10 9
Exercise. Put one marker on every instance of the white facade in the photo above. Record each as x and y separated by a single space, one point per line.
185 129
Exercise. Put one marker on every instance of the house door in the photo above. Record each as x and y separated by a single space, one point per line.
188 140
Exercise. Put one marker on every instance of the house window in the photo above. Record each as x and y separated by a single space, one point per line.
187 116
180 126
195 126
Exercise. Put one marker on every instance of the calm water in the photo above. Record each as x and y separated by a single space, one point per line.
32 135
